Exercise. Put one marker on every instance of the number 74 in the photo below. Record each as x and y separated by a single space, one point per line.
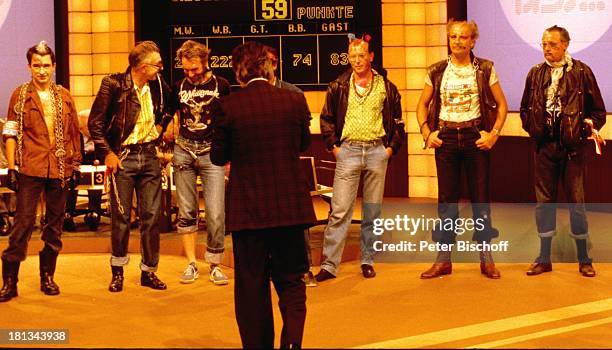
299 58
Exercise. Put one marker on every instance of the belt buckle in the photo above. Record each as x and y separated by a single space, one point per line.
139 146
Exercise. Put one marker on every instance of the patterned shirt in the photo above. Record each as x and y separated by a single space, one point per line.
364 121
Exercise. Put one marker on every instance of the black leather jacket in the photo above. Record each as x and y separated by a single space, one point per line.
580 98
116 108
488 105
334 112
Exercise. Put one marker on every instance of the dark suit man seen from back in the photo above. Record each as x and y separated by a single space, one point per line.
261 131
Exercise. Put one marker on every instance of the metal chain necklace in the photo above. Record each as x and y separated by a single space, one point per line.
458 71
60 152
362 97
19 110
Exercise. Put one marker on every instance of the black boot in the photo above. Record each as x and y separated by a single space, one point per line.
116 284
148 279
10 270
5 225
48 259
69 223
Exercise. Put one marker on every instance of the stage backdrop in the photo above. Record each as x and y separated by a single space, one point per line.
310 35
23 23
511 33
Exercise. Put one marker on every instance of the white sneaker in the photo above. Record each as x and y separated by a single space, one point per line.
218 277
190 274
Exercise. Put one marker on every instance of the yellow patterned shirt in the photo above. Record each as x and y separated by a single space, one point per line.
364 120
144 130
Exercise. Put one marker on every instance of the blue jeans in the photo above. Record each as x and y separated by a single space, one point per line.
30 189
141 172
353 160
553 162
186 170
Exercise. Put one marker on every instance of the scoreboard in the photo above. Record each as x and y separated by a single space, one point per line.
311 36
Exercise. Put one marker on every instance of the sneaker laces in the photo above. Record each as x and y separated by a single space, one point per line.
216 272
190 270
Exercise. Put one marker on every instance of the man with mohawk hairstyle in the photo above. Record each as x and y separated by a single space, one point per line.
42 137
361 123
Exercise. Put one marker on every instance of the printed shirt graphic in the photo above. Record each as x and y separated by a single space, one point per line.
197 105
459 93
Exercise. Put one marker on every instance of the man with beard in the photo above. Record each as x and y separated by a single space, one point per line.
196 97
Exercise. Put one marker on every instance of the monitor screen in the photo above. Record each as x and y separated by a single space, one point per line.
511 33
23 23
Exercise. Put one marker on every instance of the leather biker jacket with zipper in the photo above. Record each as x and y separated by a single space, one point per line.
116 109
580 99
336 103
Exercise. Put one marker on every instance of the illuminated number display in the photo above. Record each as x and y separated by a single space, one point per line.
338 58
310 36
299 58
332 49
300 61
272 10
220 61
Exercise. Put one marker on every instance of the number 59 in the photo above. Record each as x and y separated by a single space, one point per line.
274 9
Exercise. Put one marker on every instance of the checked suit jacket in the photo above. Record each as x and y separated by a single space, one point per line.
261 130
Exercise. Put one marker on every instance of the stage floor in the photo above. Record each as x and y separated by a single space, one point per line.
396 309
